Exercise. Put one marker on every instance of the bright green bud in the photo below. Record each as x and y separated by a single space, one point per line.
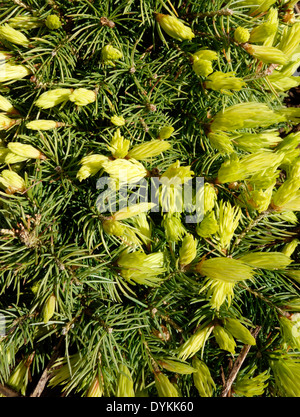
225 269
18 379
241 35
188 250
53 98
205 54
164 387
125 383
218 292
10 72
165 132
149 149
224 339
209 225
91 164
245 115
210 197
110 54
6 122
174 27
194 343
118 145
117 120
53 22
82 96
221 141
239 331
132 210
7 33
255 142
25 151
228 220
12 182
139 268
264 5
260 199
291 114
176 366
264 179
6 105
286 194
224 81
249 386
113 227
263 32
174 229
202 67
123 171
290 247
25 22
290 39
175 171
95 389
267 54
290 330
202 378
266 260
43 125
12 158
287 376
143 228
294 274
49 308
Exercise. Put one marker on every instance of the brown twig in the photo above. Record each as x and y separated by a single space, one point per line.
37 392
237 364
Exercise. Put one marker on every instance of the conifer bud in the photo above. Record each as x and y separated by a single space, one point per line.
82 96
12 158
174 27
194 343
95 389
176 366
165 132
218 292
113 227
224 81
53 22
209 226
118 145
173 227
12 182
25 22
188 250
290 39
125 383
6 122
202 378
110 54
249 386
25 151
91 164
290 247
221 141
53 98
267 54
228 220
123 171
205 54
117 120
149 149
286 371
7 33
43 124
10 72
49 308
241 35
262 32
18 379
290 330
225 269
132 210
239 331
224 339
6 106
202 67
164 387
266 260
